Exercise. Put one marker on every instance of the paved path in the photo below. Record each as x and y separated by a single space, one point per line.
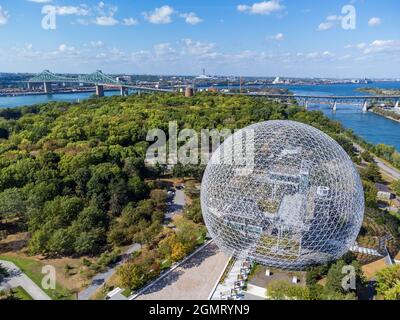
178 203
17 278
101 278
97 281
372 252
388 169
194 279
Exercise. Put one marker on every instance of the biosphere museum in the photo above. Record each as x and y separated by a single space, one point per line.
301 203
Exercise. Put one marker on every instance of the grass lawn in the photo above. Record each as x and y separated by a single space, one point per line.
21 294
33 269
126 293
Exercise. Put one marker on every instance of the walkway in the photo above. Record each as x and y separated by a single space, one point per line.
193 279
372 252
388 169
17 278
233 284
178 203
101 278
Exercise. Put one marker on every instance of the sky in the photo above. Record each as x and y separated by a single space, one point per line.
287 38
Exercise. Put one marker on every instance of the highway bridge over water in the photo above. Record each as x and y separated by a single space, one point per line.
98 79
334 101
101 80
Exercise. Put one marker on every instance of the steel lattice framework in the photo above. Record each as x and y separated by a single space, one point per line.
47 76
97 77
302 204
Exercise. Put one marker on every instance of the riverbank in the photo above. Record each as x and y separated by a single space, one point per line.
41 93
386 113
379 91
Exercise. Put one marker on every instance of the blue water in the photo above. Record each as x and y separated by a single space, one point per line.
371 127
11 102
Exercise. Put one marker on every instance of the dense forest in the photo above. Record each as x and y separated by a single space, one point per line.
74 176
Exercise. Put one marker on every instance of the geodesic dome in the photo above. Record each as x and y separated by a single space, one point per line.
296 202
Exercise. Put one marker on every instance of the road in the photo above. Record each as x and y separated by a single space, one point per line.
178 203
17 278
389 170
101 278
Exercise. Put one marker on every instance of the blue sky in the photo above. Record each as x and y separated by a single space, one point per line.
227 37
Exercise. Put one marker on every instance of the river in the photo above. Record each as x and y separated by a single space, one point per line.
370 126
373 128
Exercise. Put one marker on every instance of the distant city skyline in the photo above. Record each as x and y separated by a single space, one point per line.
287 38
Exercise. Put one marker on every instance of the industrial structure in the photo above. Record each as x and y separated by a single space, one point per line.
299 203
98 78
334 102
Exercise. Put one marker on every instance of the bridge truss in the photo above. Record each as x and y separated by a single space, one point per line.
97 78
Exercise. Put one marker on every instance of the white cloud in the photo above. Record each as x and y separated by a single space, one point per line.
333 18
160 15
97 44
3 16
278 37
375 21
330 22
191 18
72 10
377 46
361 45
164 51
264 8
197 48
106 21
320 55
327 54
129 22
65 48
325 26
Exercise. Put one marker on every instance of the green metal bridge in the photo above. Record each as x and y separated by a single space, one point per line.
98 79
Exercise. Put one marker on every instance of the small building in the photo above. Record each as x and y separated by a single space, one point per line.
189 92
384 192
264 276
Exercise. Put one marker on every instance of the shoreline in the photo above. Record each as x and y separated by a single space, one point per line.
385 116
28 94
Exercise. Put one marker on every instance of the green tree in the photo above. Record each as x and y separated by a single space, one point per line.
193 211
283 290
366 156
388 283
12 204
371 173
396 187
370 193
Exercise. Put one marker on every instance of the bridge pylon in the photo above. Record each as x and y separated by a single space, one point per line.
365 106
47 87
123 91
99 90
334 106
